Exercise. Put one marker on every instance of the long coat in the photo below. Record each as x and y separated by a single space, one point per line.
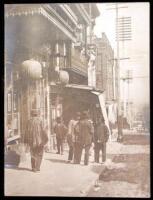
60 130
101 133
35 133
84 132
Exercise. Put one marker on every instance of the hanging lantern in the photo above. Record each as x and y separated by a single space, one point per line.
32 69
64 77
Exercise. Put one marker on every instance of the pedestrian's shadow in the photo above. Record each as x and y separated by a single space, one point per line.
57 161
18 168
24 169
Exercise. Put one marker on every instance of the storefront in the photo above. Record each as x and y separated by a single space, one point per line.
77 98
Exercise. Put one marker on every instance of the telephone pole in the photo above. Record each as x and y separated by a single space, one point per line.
118 39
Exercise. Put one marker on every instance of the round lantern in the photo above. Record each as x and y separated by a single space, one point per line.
64 77
32 68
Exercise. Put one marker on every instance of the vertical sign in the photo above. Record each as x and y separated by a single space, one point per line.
15 102
9 102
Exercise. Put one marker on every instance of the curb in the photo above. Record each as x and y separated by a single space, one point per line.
95 183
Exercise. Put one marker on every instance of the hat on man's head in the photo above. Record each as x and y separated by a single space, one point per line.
78 114
85 115
58 119
35 112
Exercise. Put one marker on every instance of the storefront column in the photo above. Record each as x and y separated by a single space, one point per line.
48 118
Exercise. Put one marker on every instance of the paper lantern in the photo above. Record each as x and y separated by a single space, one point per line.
32 69
64 77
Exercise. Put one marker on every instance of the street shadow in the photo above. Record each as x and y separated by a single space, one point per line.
54 151
136 170
24 169
18 168
57 160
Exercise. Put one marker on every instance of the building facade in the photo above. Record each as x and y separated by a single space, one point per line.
45 46
106 75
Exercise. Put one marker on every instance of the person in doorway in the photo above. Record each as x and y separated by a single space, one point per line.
84 131
60 130
101 136
36 137
71 136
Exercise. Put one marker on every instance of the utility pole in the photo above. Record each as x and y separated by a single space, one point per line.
119 113
127 108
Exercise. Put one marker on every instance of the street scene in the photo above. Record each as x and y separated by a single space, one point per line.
77 110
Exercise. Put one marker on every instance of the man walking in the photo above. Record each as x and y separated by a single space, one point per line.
36 137
60 131
71 136
84 132
101 136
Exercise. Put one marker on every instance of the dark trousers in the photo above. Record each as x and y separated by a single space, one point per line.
59 145
78 153
98 147
36 157
71 152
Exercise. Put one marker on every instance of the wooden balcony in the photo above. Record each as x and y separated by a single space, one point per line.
79 63
75 62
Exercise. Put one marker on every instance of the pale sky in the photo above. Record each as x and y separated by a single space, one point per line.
137 49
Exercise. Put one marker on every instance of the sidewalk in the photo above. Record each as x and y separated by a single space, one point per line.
56 178
128 173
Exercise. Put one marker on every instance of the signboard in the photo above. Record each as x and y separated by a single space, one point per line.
9 102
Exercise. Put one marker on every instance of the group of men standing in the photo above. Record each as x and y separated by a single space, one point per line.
80 134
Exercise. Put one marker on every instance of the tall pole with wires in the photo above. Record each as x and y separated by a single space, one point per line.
118 39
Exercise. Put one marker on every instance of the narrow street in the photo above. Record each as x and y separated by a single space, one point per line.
128 175
57 177
76 79
125 173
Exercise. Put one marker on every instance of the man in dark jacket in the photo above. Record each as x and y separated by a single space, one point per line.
36 137
71 136
60 130
100 139
84 132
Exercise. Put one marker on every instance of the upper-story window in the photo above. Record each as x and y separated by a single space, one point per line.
81 33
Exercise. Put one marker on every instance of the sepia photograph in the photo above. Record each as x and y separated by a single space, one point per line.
77 99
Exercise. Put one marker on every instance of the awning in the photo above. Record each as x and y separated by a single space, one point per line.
103 107
83 93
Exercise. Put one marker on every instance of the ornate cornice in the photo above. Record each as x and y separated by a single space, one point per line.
83 13
69 13
40 9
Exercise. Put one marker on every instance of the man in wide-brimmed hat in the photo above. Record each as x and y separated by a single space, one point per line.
84 130
101 137
36 137
60 130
